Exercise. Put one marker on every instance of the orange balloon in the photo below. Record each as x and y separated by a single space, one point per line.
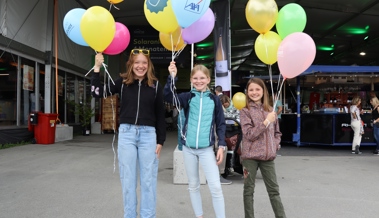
239 100
172 41
261 15
115 1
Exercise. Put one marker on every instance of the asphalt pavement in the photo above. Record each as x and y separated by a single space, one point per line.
76 179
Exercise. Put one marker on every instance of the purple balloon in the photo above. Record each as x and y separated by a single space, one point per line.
199 30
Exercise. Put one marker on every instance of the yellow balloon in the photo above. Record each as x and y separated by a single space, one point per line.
172 41
239 100
115 1
97 27
266 47
160 15
261 15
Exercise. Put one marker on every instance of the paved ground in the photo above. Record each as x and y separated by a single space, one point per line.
75 179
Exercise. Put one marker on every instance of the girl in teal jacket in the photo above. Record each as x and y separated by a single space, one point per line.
204 117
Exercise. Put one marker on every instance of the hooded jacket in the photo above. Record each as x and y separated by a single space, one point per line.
259 142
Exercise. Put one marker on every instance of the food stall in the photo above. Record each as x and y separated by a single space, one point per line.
322 117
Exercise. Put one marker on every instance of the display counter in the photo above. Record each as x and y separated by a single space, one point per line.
325 129
333 129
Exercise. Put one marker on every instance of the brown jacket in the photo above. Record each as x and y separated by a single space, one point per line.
259 142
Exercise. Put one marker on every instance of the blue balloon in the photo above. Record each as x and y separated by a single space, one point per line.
189 11
71 25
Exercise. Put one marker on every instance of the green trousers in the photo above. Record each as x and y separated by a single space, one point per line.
269 177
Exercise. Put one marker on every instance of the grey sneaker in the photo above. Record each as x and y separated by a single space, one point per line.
357 150
225 181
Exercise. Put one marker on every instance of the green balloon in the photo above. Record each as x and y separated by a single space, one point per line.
291 19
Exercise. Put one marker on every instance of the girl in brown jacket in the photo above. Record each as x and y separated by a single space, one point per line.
261 140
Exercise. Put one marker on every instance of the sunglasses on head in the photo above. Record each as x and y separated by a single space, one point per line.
140 51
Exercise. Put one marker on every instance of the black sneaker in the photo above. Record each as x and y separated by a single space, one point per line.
357 150
353 151
376 152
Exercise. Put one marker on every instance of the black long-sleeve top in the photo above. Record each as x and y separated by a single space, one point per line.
140 104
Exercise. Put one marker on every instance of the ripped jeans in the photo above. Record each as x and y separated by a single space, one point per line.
207 159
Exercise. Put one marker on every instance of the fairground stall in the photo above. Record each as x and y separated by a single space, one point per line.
317 112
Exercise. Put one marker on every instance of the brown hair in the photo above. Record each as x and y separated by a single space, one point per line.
224 99
265 98
128 75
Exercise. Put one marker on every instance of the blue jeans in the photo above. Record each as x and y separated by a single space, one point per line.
207 159
136 147
376 136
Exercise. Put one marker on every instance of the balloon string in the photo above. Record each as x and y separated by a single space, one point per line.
110 6
106 70
272 88
172 48
277 96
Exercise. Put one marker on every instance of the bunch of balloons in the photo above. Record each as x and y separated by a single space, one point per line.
290 47
96 27
180 22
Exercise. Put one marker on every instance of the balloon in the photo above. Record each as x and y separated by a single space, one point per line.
239 100
261 14
295 54
206 23
71 25
97 27
266 47
291 19
120 41
160 15
115 1
172 41
187 12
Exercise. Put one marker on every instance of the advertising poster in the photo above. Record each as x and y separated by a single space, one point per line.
28 78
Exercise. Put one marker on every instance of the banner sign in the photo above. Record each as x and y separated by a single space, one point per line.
221 35
146 37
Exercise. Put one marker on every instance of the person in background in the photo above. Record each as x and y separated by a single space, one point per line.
371 95
227 104
198 139
229 112
261 140
356 124
218 90
375 117
142 130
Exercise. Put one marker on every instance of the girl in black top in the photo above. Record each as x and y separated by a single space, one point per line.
142 130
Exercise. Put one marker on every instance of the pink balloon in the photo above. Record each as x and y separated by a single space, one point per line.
200 29
295 54
120 40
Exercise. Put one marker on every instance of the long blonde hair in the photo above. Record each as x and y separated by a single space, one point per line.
128 75
265 98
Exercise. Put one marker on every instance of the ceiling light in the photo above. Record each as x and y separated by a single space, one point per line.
324 48
362 53
202 45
